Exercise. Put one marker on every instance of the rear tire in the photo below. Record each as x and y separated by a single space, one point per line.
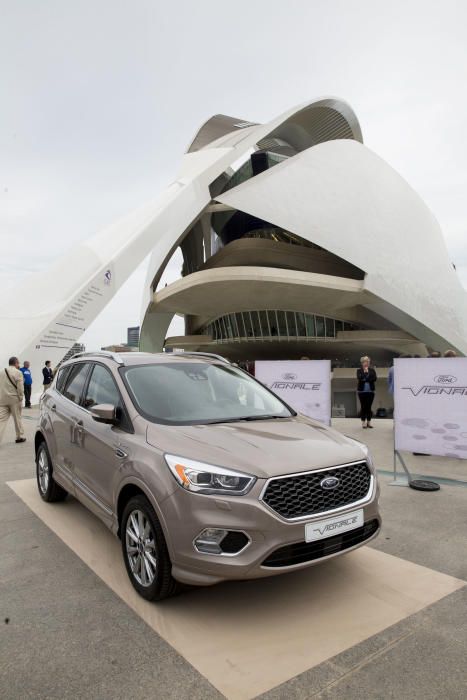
145 551
49 490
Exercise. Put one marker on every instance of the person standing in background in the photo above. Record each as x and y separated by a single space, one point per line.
48 375
450 353
27 376
11 398
366 378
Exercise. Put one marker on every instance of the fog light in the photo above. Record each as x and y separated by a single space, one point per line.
209 540
216 541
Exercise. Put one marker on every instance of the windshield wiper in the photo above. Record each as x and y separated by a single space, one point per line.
241 418
225 420
264 417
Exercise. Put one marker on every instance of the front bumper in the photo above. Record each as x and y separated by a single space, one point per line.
186 514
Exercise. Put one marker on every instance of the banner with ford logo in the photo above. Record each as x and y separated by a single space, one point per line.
430 406
303 384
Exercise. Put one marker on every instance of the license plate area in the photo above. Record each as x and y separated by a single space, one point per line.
328 527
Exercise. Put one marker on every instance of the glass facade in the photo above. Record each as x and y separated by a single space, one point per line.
273 325
245 171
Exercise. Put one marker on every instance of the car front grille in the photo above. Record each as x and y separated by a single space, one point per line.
301 495
301 552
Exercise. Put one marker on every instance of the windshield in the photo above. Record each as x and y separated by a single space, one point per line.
182 393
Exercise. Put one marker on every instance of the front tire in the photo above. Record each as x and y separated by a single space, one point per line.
49 490
145 552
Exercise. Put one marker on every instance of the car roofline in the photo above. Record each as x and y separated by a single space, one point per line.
119 358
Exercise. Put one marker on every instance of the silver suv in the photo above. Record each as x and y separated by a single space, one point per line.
203 473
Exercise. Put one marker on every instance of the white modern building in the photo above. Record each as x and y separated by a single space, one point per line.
297 240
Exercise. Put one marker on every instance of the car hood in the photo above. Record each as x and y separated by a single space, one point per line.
262 448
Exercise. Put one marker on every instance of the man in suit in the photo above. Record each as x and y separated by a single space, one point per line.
11 398
48 375
27 376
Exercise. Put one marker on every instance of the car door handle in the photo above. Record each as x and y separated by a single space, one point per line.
120 453
78 426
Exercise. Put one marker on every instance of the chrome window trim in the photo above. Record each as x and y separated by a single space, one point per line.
322 513
222 554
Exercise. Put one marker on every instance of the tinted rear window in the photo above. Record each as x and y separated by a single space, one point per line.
61 378
75 382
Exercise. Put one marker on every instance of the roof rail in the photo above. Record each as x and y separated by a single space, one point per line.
101 353
204 354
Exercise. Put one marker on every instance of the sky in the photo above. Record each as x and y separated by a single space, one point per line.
99 100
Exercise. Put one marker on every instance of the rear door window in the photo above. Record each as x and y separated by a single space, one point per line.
61 378
75 382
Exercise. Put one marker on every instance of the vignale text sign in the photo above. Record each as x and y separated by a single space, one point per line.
430 406
303 384
306 386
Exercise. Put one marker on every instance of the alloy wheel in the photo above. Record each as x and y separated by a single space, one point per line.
43 471
141 548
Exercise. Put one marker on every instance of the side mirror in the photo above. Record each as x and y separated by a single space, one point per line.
105 413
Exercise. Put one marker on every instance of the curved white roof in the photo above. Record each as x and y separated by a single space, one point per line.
332 191
338 194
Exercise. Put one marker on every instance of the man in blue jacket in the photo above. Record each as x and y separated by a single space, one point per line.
27 383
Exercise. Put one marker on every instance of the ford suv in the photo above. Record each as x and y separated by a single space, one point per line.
201 471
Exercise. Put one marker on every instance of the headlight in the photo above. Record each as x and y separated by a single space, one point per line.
206 479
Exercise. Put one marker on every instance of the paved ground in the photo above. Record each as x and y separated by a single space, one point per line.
65 634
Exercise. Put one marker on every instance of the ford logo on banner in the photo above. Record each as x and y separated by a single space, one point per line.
445 379
329 483
289 376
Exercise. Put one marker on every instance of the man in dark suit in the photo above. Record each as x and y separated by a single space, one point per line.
48 375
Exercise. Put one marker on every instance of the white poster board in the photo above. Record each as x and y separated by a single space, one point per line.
304 384
430 406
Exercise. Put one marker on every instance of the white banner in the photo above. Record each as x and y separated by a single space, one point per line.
430 405
303 384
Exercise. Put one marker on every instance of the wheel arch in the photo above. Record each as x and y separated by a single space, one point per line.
39 437
135 487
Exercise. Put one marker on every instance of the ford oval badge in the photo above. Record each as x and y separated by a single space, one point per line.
329 482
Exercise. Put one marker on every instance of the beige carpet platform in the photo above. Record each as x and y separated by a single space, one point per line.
248 637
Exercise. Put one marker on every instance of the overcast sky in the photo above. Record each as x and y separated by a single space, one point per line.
99 99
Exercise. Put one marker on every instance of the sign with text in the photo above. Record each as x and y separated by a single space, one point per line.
304 384
430 405
66 329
